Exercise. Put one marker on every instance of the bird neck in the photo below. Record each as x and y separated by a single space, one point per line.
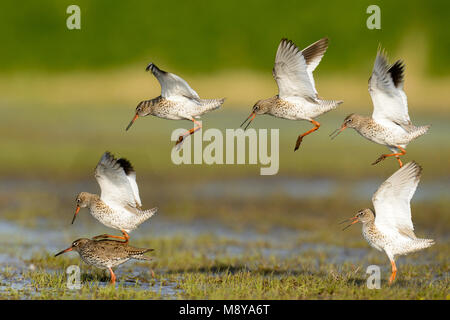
369 226
364 122
92 198
266 105
154 103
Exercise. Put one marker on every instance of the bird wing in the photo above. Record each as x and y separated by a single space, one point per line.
313 54
392 200
386 89
172 86
117 180
293 68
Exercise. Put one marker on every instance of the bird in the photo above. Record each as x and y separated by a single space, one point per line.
119 205
106 254
390 228
297 97
390 124
178 101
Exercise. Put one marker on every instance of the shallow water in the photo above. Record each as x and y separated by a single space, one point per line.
296 188
19 243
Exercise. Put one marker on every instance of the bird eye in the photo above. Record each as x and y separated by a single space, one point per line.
78 200
349 120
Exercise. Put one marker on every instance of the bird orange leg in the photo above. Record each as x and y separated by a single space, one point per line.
125 236
189 132
384 156
113 276
394 272
399 161
300 137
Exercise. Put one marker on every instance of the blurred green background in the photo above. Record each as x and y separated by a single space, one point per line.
66 95
210 36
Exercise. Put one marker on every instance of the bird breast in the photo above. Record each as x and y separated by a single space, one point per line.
291 109
375 238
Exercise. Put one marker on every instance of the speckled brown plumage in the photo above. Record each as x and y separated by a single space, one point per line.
178 101
297 97
391 229
390 124
119 206
106 254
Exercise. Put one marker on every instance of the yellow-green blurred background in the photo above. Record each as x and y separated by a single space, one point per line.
67 95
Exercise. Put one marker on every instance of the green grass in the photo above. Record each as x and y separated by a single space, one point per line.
201 266
183 264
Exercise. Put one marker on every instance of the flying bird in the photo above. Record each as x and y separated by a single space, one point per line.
390 124
178 101
297 97
119 205
390 228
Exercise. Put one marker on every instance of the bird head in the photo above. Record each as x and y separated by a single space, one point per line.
351 121
142 109
260 107
363 216
76 245
83 200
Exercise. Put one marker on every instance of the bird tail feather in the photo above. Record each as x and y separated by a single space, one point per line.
418 131
211 104
328 105
146 214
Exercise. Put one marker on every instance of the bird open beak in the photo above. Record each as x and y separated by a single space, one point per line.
75 215
252 116
132 121
336 132
354 220
64 251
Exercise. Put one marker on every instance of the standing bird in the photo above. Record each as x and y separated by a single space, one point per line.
178 101
391 228
390 124
297 97
119 205
106 254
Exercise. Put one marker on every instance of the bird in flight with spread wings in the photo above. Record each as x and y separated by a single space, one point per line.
119 205
297 97
390 124
178 101
390 228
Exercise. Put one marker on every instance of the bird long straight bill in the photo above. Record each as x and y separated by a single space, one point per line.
353 219
336 132
64 251
252 116
75 215
132 121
